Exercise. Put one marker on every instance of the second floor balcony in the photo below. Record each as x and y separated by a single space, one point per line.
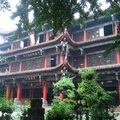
95 32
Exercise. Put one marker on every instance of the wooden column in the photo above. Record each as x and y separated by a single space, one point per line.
12 46
8 91
19 91
10 67
61 58
61 96
85 37
118 57
115 29
46 62
20 67
47 36
85 61
45 91
119 91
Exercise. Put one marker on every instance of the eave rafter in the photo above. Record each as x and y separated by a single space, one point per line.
49 70
93 41
44 45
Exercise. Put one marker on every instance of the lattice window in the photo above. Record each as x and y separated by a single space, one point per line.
97 59
99 32
70 60
79 62
53 60
51 51
41 38
92 34
4 70
16 45
77 37
35 63
15 67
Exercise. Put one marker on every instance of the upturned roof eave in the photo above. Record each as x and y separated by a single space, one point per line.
103 67
41 70
35 71
96 40
51 42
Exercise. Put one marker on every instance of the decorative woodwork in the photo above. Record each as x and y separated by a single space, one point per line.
51 51
35 63
79 62
98 59
92 34
78 37
15 66
16 45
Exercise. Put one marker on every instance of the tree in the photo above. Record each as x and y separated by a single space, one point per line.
57 13
65 85
95 97
4 5
60 13
90 98
5 107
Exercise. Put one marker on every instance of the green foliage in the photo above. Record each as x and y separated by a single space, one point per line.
88 74
95 97
59 111
64 82
58 14
5 107
23 24
4 5
76 101
89 99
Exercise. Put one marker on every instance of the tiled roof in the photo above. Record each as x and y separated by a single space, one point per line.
104 67
42 70
96 40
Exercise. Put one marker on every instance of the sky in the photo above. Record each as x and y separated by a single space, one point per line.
6 23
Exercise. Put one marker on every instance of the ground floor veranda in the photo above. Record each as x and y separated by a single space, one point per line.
28 91
34 85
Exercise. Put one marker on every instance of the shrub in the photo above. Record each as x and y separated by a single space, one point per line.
64 82
59 111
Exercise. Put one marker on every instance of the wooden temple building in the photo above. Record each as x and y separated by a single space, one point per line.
31 65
